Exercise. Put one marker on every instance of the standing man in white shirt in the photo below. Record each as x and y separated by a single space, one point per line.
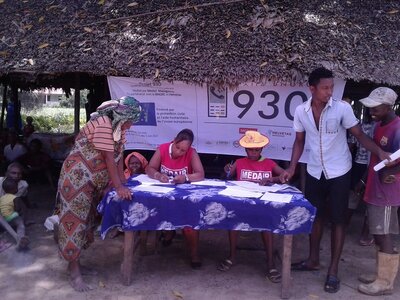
321 123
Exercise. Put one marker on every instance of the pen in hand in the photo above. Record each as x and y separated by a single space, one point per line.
229 170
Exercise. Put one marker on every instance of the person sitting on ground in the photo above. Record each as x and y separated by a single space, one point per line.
178 162
14 171
267 172
14 149
13 211
37 163
28 127
135 163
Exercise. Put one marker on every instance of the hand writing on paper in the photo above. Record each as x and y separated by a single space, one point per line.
124 193
178 179
163 178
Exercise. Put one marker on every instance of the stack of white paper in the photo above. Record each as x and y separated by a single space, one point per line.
282 198
153 189
232 191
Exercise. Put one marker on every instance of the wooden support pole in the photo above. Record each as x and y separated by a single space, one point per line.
286 264
77 104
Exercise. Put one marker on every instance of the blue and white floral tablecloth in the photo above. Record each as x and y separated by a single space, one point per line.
201 207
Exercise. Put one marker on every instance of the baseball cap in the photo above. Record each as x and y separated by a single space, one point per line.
380 95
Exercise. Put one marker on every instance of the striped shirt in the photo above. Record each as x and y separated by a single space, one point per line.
99 133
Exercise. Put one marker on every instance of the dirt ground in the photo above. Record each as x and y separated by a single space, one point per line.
39 273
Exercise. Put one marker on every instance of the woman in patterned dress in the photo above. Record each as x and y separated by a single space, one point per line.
95 159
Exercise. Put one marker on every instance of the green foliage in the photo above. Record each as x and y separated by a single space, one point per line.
69 102
54 119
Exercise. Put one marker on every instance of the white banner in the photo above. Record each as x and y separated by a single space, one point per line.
218 117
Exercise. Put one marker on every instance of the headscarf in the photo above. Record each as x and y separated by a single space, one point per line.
140 157
119 111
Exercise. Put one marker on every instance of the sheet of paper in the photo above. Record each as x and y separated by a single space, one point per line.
282 198
239 192
153 189
210 182
146 180
252 186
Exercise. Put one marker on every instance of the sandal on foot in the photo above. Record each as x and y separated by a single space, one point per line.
274 276
302 266
332 284
367 242
225 265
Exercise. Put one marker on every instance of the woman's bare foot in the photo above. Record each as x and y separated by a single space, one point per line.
76 279
79 285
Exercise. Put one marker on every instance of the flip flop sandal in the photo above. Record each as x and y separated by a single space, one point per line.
367 242
332 284
225 265
302 266
274 276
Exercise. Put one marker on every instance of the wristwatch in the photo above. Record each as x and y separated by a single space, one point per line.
187 178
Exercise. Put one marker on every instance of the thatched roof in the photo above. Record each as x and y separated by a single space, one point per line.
226 42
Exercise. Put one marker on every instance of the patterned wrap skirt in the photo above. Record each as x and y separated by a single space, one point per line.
83 178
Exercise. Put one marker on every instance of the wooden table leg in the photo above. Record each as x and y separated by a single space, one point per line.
127 263
286 263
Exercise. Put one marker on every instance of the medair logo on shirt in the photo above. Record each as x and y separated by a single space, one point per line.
173 172
254 175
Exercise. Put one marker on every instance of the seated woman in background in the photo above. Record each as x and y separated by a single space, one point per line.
178 162
135 163
259 169
37 163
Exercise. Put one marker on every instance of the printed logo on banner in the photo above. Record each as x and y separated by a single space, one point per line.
243 130
217 102
277 133
148 114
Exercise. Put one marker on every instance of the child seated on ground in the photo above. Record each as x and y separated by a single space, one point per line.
259 169
12 209
14 171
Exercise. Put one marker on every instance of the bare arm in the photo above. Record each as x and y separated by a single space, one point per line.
153 168
298 148
113 171
197 166
368 143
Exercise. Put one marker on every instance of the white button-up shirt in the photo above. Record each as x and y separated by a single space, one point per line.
329 152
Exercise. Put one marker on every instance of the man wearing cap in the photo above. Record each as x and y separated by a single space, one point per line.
382 193
322 123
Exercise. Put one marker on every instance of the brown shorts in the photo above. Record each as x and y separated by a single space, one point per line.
383 219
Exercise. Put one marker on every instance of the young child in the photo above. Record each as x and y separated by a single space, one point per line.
135 163
382 193
254 168
14 171
10 209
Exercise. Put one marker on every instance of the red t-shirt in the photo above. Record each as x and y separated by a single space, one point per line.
376 192
250 170
179 166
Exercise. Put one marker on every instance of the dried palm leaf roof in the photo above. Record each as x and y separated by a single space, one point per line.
223 42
